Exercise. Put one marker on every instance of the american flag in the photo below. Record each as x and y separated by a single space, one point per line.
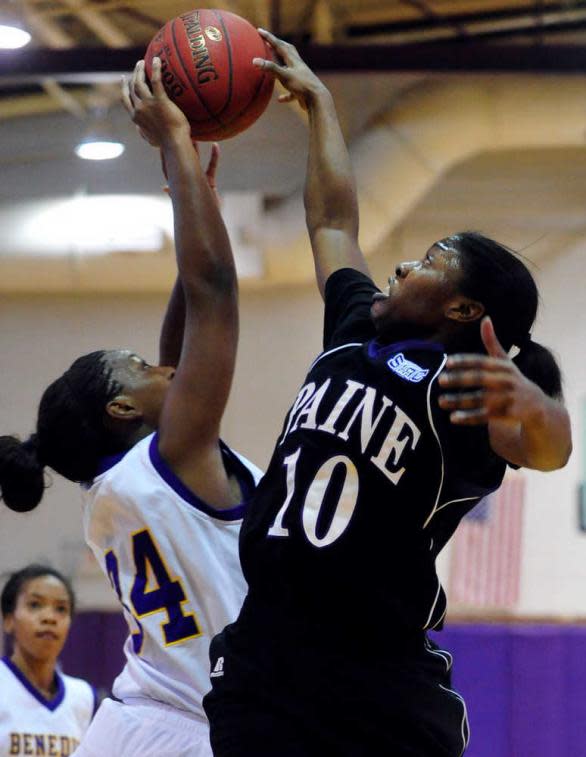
485 560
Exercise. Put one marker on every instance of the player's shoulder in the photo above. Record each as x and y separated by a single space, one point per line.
121 474
349 348
78 687
79 697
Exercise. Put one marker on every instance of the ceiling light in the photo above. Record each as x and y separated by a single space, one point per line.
100 142
13 37
99 150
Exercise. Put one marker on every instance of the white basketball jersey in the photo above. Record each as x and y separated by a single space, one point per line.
173 562
32 724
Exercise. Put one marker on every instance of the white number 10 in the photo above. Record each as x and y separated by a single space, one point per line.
315 497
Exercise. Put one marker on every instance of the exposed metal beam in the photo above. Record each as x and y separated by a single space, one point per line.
65 98
46 30
100 26
33 105
100 64
557 12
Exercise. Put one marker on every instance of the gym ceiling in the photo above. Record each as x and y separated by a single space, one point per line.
416 57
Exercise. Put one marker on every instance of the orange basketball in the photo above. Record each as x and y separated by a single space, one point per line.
207 70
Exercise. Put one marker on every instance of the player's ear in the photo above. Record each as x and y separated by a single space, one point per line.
464 310
123 408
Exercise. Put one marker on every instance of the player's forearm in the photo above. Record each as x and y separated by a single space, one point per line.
173 326
541 441
204 254
330 192
546 437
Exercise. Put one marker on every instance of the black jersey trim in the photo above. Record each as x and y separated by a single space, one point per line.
461 499
377 350
334 349
443 615
435 433
433 606
464 726
443 654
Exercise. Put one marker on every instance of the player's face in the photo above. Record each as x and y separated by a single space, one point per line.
41 619
418 293
147 384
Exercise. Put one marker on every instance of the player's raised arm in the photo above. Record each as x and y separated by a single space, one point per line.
330 194
189 427
172 329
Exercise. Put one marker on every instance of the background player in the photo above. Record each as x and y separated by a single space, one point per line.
42 711
369 479
164 496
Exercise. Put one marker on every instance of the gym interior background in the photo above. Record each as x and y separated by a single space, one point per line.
460 114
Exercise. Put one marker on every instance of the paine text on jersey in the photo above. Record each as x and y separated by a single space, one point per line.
308 412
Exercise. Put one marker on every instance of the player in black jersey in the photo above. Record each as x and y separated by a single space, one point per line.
403 423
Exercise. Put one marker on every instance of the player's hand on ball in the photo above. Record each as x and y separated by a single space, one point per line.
487 387
291 71
155 115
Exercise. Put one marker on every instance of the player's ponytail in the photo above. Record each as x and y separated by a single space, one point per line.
22 479
71 435
495 276
539 365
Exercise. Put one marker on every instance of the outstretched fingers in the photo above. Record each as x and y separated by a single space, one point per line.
125 94
139 89
213 164
490 339
157 78
286 51
477 376
470 417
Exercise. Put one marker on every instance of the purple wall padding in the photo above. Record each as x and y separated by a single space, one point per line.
94 648
524 685
525 688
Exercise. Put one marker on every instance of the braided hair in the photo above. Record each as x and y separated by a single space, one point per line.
71 435
496 276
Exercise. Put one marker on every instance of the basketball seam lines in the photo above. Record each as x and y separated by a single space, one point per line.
194 86
229 51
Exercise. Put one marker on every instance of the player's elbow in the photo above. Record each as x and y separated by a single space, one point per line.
338 211
212 279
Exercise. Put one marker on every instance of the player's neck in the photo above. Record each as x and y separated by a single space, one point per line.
40 673
404 332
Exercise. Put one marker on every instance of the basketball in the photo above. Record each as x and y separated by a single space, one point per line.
207 70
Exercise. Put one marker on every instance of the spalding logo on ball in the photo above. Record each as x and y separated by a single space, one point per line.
206 61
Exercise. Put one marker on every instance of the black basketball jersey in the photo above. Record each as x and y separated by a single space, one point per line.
367 483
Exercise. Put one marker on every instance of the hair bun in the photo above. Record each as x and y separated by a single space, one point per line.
524 341
22 480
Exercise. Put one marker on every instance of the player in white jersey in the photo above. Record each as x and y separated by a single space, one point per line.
42 711
163 495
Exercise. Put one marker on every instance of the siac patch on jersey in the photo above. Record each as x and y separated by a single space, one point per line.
407 369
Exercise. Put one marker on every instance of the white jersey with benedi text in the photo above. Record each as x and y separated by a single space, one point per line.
32 724
173 562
